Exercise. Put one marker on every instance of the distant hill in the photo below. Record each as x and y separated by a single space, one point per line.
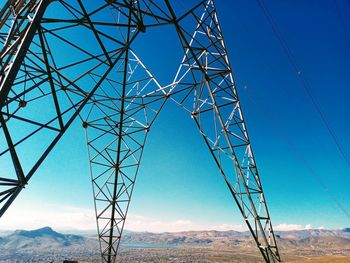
299 234
232 237
43 243
48 245
40 239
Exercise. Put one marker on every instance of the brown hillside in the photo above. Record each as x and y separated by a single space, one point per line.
325 260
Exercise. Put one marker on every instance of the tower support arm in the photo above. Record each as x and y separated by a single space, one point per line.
8 72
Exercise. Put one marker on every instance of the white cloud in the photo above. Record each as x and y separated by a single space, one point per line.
291 227
226 227
29 216
143 223
58 217
308 227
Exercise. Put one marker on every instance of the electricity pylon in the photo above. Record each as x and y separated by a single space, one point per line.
72 59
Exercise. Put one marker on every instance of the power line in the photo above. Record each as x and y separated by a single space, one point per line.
305 84
341 19
284 136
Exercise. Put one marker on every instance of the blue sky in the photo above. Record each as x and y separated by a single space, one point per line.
179 186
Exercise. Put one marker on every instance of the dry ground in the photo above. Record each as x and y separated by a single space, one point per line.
325 260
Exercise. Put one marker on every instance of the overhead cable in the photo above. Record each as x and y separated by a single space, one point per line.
305 84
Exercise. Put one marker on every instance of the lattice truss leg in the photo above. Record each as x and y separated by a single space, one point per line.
50 75
205 76
119 117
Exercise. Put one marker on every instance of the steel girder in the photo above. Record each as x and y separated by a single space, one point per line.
106 85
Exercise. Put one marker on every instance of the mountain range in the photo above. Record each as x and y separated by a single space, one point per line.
48 245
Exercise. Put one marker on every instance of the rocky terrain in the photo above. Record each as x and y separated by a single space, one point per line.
47 245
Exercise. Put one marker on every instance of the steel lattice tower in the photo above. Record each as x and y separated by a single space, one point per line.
49 77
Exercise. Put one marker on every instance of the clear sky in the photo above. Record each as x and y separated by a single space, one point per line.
179 187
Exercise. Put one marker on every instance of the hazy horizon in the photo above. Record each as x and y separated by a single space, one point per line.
281 228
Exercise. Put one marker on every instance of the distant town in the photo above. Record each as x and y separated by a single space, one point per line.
48 245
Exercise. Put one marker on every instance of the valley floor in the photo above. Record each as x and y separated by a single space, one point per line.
47 245
325 260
